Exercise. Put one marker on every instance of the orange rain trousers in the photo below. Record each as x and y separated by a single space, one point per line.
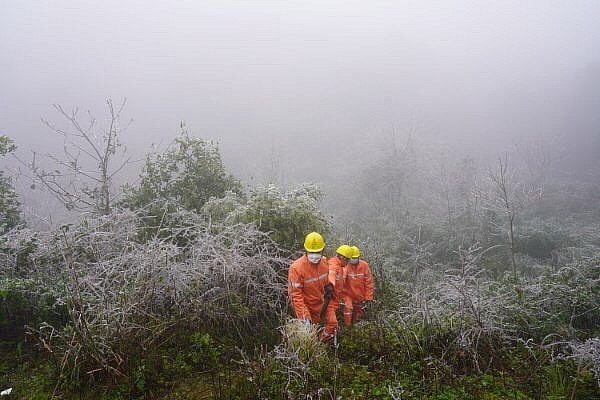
358 287
336 278
352 307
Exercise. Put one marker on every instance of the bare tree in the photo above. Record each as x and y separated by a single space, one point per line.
510 195
82 177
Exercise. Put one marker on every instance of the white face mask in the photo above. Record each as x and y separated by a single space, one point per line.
314 257
353 261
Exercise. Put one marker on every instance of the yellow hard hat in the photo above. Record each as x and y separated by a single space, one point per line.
345 250
314 243
355 252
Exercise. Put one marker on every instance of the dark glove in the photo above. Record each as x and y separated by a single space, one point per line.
328 291
367 306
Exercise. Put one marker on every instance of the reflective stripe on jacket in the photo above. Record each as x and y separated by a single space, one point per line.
359 282
306 282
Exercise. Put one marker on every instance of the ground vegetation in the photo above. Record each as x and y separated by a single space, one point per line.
487 287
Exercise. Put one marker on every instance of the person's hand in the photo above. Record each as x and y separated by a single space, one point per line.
367 305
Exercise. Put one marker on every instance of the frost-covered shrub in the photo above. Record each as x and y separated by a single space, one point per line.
484 315
126 297
16 247
461 302
540 239
287 216
25 297
10 208
564 302
587 355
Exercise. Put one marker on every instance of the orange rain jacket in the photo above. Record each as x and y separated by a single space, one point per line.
358 287
306 283
359 283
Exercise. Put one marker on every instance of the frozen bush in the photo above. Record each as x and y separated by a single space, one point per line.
587 355
125 297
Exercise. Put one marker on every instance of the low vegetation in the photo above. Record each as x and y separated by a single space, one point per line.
169 296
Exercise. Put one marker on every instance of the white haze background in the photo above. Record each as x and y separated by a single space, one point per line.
294 90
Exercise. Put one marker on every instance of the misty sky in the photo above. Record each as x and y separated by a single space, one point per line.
284 84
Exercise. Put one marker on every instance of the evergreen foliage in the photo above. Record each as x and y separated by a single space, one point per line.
189 173
286 215
10 214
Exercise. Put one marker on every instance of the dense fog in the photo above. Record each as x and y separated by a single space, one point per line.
297 92
299 200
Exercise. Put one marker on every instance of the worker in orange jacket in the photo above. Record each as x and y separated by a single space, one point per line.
336 278
307 279
358 287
